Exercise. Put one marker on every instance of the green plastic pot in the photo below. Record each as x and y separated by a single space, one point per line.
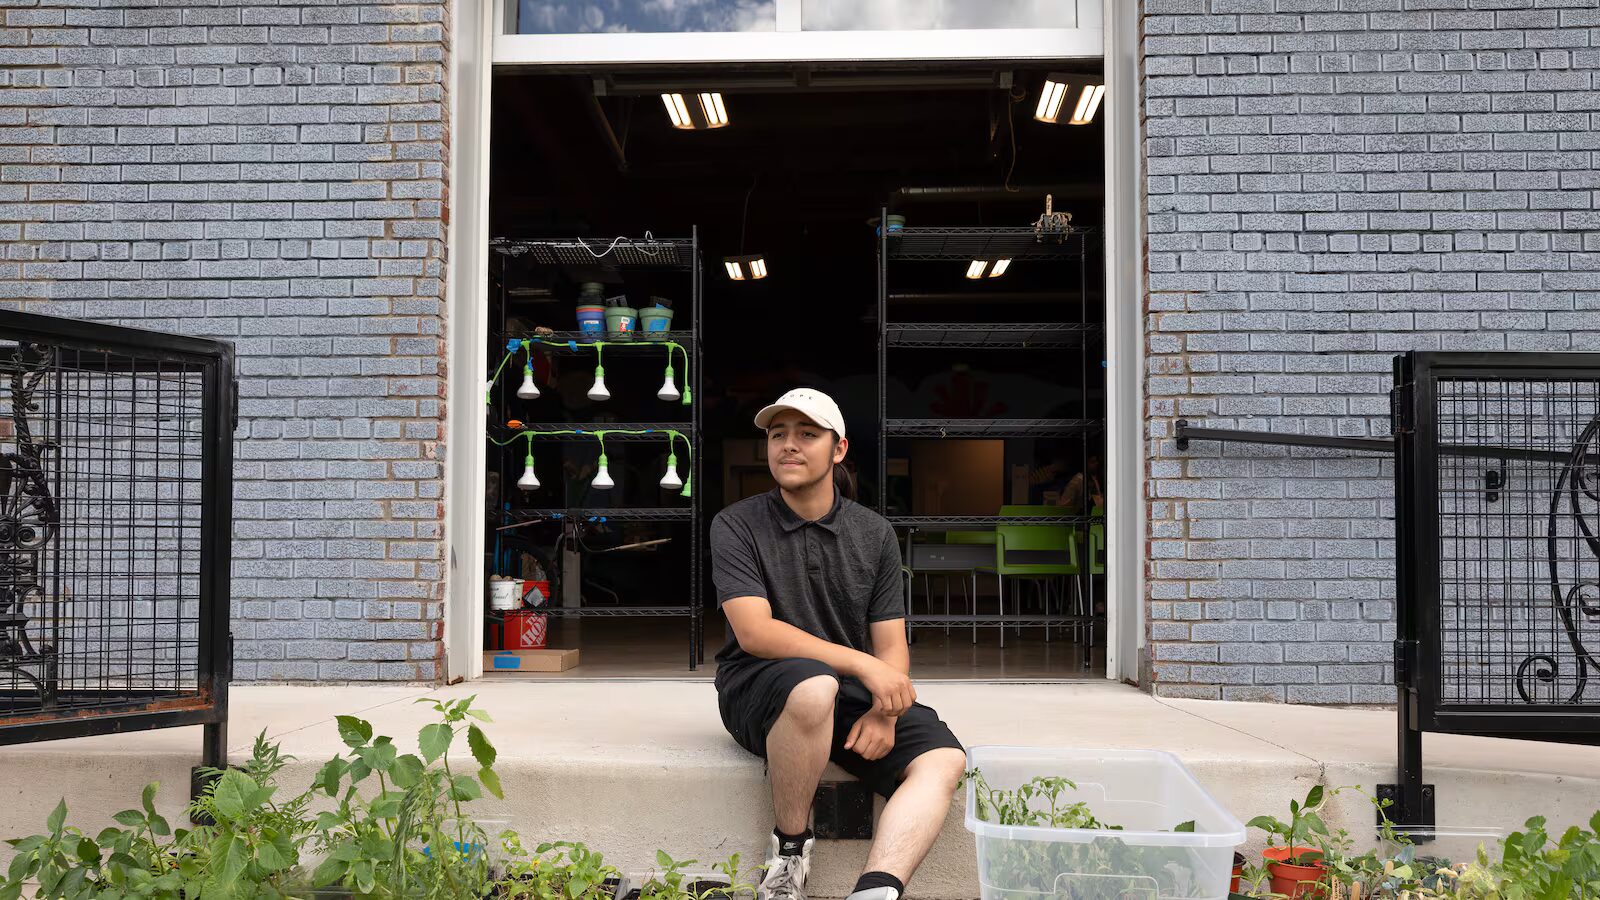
655 323
622 322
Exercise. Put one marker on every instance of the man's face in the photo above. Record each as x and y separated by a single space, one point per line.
800 452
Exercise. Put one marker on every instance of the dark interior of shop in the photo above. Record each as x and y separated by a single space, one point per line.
807 163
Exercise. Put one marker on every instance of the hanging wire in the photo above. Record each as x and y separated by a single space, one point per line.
618 240
744 218
1011 126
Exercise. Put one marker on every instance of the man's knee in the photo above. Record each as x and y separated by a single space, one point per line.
943 767
811 702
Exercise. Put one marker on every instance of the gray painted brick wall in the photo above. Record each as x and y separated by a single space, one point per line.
272 174
1332 182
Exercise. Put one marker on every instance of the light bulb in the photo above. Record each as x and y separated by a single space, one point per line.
599 392
602 478
671 479
669 387
687 485
529 481
529 390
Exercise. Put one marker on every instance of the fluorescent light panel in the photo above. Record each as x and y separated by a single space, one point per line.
708 111
1054 94
745 268
986 268
1088 103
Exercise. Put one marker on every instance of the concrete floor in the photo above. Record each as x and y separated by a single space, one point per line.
629 767
658 649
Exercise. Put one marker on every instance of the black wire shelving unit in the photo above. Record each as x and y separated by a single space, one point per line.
619 256
912 245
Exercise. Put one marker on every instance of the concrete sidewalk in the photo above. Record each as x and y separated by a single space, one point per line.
632 766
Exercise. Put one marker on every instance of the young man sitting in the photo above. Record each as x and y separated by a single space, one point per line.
816 666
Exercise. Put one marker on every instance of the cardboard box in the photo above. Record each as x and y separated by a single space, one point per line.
530 661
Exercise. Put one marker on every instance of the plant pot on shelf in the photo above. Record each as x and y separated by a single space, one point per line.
1238 872
655 322
592 320
1297 872
621 322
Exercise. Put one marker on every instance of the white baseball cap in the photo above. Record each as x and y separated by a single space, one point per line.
816 405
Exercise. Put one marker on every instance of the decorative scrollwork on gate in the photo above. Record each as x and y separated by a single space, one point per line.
29 520
1578 489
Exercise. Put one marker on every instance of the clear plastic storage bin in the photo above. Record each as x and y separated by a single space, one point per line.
1145 792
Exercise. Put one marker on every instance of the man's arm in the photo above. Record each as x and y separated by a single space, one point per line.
759 634
889 644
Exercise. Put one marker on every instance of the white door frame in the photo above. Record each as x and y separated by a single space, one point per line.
1125 446
480 45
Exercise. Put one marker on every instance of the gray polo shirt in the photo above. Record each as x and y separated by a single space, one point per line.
829 578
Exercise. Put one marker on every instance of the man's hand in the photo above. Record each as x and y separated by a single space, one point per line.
892 693
872 736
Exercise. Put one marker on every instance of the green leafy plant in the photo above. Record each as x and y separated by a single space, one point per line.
249 849
560 870
1027 867
1305 828
1037 803
1533 866
671 882
399 829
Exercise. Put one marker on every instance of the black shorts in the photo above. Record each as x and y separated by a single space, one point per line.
752 696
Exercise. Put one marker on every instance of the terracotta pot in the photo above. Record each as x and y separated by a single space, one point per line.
1238 870
1295 880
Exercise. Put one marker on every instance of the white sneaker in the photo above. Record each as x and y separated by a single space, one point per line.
785 876
877 893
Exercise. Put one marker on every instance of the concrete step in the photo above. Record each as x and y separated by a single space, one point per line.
629 767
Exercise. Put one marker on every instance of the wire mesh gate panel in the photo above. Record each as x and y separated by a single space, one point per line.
1500 531
115 529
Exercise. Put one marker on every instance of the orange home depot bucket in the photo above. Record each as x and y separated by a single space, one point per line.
526 630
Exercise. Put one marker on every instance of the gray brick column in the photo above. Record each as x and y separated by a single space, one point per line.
272 174
1329 184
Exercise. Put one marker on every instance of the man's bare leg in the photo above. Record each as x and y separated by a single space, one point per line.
914 815
797 751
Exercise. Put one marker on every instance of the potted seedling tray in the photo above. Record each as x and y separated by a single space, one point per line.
1096 825
694 886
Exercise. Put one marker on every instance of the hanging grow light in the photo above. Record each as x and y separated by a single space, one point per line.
705 111
745 268
529 390
987 268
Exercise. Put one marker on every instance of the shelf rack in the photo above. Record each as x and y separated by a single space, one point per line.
598 516
924 244
964 428
983 243
570 341
978 336
620 255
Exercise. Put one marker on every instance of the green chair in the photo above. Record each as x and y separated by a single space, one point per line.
980 538
1053 550
1097 543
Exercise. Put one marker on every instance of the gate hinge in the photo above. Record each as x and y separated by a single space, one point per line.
1405 662
1400 408
234 382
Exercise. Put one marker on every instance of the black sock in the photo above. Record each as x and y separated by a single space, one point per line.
879 879
792 844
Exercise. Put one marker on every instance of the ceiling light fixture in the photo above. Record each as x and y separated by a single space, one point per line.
745 268
1058 86
987 268
704 112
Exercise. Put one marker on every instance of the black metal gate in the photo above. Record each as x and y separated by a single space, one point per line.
116 479
1497 548
1499 493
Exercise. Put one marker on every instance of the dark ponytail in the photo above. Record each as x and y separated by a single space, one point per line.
843 482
